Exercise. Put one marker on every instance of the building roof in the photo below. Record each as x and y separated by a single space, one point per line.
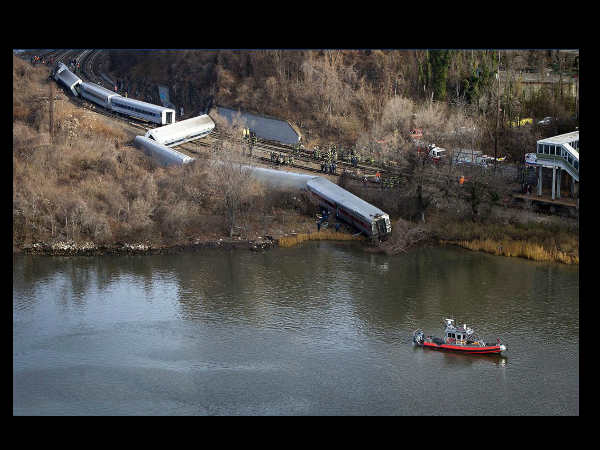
179 132
265 127
561 138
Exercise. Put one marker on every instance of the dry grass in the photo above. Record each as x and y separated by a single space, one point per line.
326 235
88 183
520 249
531 240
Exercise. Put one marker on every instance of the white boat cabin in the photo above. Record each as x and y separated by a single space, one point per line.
457 334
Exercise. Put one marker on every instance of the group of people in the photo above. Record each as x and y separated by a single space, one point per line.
333 154
329 167
281 158
327 155
40 59
250 138
324 221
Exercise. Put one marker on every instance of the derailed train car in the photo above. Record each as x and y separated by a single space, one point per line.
360 214
164 155
182 131
64 76
111 100
369 219
97 94
143 110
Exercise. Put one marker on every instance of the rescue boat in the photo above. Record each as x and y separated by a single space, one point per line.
458 339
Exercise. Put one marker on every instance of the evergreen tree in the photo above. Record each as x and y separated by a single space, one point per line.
440 60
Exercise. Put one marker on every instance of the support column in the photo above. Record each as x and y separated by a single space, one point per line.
539 186
572 187
553 182
558 183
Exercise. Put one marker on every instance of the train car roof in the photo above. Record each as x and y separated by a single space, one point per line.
141 104
332 191
164 154
60 67
268 128
182 130
280 178
68 78
98 90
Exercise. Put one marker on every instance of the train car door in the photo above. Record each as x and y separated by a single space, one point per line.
169 117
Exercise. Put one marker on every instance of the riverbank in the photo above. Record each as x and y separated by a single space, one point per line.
530 239
406 236
289 238
520 249
70 248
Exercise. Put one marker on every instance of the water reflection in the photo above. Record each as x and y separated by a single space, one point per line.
380 294
325 325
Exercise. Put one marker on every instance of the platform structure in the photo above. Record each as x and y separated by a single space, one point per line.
561 154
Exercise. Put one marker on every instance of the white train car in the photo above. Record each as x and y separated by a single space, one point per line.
182 131
97 94
143 110
64 76
164 155
367 218
59 68
280 178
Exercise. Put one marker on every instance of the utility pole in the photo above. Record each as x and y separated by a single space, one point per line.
51 112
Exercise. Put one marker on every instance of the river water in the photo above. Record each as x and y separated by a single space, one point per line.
322 329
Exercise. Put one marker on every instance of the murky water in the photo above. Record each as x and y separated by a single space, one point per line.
322 330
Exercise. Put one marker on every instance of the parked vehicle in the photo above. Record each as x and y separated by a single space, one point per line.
436 153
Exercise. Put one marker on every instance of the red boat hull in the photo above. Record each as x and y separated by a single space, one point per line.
463 348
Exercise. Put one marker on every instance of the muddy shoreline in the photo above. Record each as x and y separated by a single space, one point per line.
90 249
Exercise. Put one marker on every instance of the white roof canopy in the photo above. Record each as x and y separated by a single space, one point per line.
561 138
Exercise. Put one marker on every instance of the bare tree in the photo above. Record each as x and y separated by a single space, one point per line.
232 180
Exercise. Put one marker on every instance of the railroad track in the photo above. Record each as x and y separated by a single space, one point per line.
63 56
87 58
306 156
304 159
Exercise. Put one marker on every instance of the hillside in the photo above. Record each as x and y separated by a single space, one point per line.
85 186
88 184
348 96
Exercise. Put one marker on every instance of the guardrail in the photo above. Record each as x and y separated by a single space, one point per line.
563 162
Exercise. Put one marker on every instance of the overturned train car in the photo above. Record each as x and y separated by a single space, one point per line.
161 153
64 76
367 218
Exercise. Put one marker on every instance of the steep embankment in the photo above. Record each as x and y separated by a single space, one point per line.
85 186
